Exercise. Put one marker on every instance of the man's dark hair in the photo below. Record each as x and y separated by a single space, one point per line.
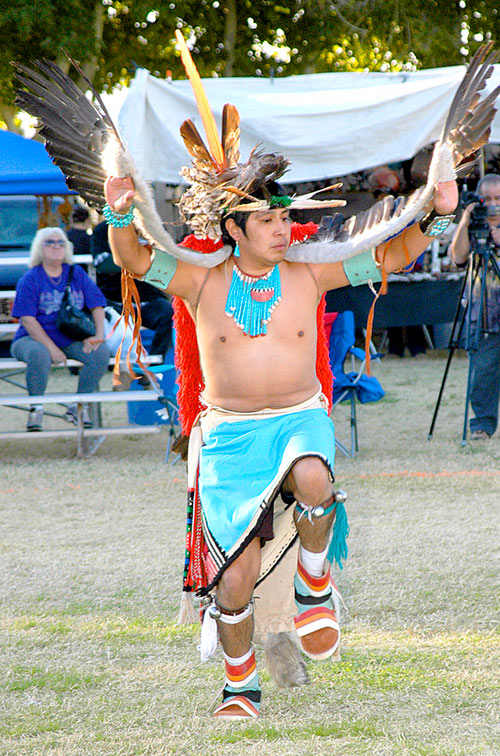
271 188
79 214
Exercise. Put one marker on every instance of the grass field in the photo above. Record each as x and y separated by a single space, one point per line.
92 662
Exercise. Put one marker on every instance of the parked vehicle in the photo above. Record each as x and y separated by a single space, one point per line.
18 225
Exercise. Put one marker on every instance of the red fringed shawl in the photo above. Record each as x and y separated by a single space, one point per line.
187 359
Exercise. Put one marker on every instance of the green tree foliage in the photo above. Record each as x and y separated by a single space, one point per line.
241 37
35 29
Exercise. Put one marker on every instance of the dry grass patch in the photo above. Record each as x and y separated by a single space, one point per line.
93 664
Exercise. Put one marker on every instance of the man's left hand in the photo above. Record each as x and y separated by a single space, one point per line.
445 197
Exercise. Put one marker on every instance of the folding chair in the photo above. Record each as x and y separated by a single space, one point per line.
352 386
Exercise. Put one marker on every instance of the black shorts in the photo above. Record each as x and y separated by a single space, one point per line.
266 531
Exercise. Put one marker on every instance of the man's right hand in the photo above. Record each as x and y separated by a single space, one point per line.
119 193
124 242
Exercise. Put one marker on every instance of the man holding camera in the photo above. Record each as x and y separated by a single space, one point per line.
485 361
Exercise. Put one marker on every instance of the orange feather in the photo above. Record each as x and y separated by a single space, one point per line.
207 116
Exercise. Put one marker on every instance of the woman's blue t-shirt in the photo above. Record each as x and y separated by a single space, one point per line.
37 295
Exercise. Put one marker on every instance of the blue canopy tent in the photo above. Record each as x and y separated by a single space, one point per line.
26 168
26 173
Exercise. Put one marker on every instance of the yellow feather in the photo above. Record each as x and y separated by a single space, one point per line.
207 116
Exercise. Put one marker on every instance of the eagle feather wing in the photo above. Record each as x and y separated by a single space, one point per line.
466 129
84 143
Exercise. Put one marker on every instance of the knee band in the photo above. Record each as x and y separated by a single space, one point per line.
228 616
337 550
320 510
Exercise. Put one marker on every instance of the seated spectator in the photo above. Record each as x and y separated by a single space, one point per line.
78 233
156 308
38 342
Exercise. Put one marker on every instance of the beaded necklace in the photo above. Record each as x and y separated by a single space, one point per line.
252 299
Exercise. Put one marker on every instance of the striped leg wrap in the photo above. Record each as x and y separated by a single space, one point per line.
316 623
241 693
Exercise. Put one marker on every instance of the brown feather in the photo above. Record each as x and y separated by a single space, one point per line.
195 144
231 134
238 192
262 167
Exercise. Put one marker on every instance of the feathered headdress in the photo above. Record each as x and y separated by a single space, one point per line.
218 181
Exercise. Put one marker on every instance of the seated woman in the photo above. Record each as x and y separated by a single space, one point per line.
38 342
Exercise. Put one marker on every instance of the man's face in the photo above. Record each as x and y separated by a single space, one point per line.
267 236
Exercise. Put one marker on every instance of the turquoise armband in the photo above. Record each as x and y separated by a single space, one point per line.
161 272
362 268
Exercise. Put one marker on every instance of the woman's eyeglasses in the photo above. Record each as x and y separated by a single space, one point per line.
54 242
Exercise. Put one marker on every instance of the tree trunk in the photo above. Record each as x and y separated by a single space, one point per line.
90 67
230 32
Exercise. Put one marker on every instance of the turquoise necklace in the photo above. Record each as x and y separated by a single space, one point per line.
252 299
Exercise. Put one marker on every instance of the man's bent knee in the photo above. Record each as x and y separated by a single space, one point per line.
310 480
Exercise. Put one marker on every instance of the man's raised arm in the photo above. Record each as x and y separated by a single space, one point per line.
127 252
413 240
393 255
165 271
460 244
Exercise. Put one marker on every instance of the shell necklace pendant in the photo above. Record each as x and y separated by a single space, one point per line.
252 299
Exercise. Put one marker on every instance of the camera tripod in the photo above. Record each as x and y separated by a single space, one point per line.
481 261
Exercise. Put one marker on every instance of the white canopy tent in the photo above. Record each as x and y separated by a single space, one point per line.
327 125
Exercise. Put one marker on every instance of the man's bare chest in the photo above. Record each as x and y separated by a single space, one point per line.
294 313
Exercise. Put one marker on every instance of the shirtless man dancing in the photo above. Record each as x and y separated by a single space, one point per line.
263 446
265 430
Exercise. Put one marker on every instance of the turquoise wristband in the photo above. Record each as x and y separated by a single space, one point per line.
162 270
362 268
117 220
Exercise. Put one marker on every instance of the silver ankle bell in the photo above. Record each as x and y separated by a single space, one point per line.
214 612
